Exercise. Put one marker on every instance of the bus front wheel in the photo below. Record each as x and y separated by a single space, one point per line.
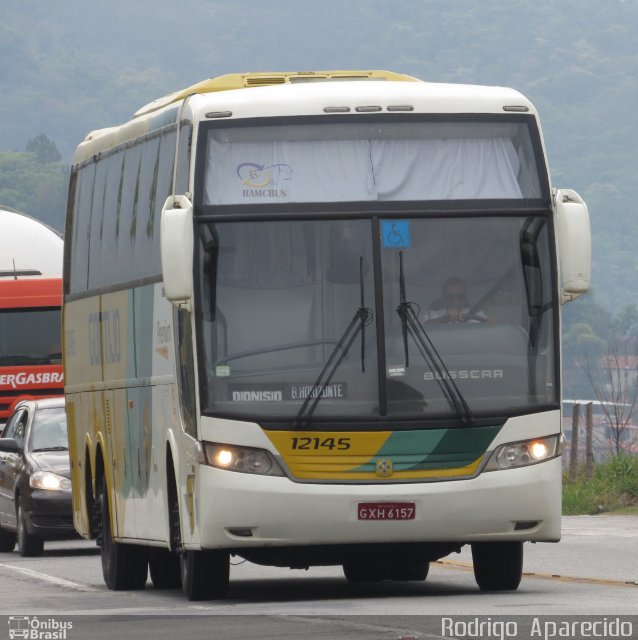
124 566
205 574
498 566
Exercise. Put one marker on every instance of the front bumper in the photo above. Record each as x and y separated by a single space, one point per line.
237 510
49 515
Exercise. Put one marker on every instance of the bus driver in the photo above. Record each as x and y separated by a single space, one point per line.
453 307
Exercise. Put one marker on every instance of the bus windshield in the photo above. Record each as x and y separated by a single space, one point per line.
405 318
30 337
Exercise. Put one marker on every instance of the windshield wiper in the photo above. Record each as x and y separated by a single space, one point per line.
50 449
361 318
410 324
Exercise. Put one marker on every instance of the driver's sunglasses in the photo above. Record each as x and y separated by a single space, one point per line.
454 296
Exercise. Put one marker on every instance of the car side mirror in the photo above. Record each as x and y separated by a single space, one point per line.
9 445
573 233
176 241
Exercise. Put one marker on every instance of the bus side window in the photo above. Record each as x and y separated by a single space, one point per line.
79 261
97 225
125 222
142 221
183 158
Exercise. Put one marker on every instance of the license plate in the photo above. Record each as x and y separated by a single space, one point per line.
386 511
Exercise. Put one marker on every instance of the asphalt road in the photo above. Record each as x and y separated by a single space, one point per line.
592 571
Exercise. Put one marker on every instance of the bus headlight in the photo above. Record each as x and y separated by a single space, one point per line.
522 454
49 481
241 459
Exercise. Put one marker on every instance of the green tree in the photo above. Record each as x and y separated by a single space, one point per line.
627 320
37 189
44 149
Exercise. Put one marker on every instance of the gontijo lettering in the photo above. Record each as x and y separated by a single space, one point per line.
105 324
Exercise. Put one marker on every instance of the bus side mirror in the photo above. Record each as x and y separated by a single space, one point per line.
176 240
574 244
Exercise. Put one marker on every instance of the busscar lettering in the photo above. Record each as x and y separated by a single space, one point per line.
465 374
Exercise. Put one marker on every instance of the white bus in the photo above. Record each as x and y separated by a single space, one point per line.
313 319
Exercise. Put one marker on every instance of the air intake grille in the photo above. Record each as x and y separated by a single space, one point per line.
255 82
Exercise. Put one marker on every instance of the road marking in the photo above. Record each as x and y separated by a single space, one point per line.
45 577
467 566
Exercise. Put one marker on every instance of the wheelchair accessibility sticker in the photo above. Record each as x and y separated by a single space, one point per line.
395 234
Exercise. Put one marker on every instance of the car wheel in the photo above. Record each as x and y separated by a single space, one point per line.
205 574
124 566
28 544
7 541
498 566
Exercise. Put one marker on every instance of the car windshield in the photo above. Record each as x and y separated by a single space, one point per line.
48 430
365 319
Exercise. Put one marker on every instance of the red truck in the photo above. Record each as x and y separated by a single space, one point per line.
30 344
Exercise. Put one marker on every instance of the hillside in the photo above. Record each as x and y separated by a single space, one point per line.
69 66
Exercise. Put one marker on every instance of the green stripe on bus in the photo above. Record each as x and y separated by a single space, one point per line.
433 448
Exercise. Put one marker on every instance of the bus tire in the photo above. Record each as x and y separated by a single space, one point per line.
164 568
498 566
205 574
7 541
124 566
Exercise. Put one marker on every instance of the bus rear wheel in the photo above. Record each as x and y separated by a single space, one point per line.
498 566
165 569
205 574
124 566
